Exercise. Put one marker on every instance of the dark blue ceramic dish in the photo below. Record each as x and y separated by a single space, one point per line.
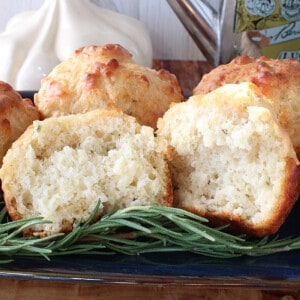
273 271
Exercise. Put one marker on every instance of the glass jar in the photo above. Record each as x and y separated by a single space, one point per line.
223 29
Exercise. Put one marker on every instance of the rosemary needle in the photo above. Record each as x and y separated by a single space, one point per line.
133 231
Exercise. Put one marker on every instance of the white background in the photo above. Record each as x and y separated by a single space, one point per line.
169 38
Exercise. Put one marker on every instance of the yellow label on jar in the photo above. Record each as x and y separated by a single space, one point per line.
273 26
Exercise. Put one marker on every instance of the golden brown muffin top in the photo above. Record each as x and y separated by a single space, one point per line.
107 77
277 79
16 114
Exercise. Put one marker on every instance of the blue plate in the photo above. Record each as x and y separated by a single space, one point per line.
273 271
277 270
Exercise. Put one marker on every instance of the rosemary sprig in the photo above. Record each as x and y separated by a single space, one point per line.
133 231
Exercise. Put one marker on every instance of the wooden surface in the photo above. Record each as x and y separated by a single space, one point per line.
12 289
188 72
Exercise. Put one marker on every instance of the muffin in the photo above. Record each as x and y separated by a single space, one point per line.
62 166
232 161
278 80
106 77
16 114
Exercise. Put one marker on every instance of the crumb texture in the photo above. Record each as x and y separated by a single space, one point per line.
231 159
277 79
64 165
